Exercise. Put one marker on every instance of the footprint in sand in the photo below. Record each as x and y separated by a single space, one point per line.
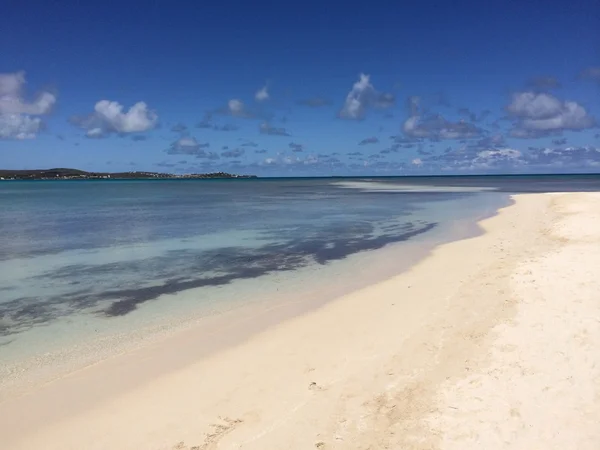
212 439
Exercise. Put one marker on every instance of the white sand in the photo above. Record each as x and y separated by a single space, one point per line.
489 343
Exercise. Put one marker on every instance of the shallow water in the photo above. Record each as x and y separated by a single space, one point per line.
85 259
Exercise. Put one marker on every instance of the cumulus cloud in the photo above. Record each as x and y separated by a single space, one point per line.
315 102
237 108
471 157
188 145
569 157
292 161
95 133
363 96
110 117
530 105
139 118
19 126
262 94
369 140
357 99
266 128
494 158
437 128
540 114
15 111
12 101
482 158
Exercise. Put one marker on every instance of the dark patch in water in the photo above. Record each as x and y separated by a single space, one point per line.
253 263
187 269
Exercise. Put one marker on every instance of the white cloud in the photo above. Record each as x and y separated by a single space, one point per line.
12 102
95 133
262 94
542 114
417 162
139 118
487 158
188 145
187 142
236 107
18 126
571 117
15 112
412 129
363 96
110 117
292 160
436 127
534 106
358 98
580 157
11 83
478 157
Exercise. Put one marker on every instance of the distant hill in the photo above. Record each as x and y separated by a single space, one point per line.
75 174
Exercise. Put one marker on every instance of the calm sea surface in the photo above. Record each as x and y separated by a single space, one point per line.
78 257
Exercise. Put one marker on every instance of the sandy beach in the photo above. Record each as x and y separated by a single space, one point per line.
488 343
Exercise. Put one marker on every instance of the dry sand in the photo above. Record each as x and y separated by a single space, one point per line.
489 343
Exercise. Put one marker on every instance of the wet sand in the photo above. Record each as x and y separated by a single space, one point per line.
491 342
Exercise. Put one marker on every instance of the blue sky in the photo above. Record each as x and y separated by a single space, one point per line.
304 88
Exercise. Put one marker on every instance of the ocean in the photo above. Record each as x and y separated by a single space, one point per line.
83 262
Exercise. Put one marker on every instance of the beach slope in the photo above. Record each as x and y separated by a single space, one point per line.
491 342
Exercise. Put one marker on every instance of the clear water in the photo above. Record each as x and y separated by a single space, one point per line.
86 257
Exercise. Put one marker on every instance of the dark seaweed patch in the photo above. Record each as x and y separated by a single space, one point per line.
189 269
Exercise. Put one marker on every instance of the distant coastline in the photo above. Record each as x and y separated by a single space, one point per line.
75 174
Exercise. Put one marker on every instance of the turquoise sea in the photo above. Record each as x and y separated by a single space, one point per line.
82 260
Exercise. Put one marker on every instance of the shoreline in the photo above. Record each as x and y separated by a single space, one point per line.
320 377
248 318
